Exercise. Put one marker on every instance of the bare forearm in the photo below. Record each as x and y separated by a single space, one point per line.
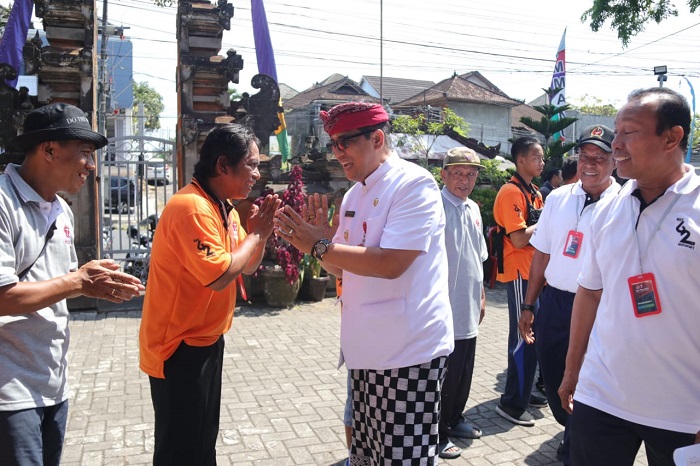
521 238
370 262
28 297
255 258
241 259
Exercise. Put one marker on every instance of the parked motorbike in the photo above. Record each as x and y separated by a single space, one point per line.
137 263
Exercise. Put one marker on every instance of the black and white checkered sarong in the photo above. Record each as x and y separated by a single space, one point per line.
396 414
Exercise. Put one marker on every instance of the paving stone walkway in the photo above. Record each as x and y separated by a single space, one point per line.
283 397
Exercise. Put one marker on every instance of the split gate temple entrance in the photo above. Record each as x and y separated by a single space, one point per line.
135 176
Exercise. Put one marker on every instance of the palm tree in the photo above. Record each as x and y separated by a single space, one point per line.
553 151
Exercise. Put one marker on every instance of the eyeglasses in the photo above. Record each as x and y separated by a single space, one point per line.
342 143
592 159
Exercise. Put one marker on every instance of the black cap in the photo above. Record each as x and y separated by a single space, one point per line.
55 122
598 135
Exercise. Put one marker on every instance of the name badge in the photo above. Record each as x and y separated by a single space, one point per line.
645 297
573 244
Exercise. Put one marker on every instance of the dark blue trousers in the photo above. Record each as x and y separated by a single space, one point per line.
600 439
522 359
552 342
33 436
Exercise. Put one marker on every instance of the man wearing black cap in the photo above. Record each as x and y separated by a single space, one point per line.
560 239
38 271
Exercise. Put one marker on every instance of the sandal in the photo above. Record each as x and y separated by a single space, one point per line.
448 450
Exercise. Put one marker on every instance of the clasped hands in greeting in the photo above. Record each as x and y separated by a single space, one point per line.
303 231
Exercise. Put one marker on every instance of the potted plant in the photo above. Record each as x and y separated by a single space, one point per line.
282 279
314 279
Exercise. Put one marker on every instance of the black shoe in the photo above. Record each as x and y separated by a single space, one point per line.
516 416
537 401
539 385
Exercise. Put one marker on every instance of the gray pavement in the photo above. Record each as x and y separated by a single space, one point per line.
283 397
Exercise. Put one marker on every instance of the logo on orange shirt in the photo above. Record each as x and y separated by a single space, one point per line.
203 247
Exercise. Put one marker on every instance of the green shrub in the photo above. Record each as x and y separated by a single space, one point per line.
484 196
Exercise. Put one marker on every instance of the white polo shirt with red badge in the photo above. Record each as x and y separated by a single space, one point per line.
646 369
566 211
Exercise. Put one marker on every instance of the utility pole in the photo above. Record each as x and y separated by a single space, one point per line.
102 85
381 52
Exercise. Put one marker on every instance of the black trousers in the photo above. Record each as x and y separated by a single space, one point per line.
456 386
601 439
187 404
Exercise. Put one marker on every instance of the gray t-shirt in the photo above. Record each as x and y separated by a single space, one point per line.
33 346
466 252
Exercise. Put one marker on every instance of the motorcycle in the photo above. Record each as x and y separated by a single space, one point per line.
137 263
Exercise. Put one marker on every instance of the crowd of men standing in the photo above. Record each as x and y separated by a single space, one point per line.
600 286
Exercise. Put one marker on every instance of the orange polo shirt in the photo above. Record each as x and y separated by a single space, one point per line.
190 251
510 211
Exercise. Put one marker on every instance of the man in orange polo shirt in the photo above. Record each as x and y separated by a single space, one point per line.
516 211
200 250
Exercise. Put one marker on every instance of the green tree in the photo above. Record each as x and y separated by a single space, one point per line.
590 105
412 128
152 103
553 151
233 94
628 17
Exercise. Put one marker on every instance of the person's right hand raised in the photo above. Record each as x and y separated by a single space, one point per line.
102 279
316 213
260 220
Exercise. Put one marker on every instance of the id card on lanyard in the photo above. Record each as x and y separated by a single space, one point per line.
574 240
643 291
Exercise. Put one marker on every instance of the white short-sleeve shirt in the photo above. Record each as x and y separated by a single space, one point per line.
564 211
646 369
33 346
406 321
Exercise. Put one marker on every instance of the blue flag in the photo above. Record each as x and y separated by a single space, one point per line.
16 35
692 124
266 65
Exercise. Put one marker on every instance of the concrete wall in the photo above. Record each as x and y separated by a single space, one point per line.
489 124
572 132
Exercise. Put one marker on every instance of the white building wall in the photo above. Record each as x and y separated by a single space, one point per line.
489 124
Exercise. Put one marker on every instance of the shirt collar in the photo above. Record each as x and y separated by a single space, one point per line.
614 188
50 210
374 177
454 200
224 206
686 185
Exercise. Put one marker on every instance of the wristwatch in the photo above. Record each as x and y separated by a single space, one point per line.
527 307
320 248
